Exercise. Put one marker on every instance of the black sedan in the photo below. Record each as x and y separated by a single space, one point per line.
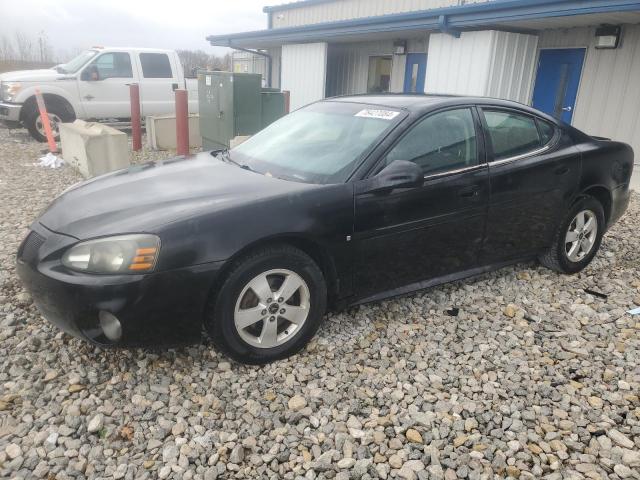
345 201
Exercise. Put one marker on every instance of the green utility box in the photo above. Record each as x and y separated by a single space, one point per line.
234 104
272 106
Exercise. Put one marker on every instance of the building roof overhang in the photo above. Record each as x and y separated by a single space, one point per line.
493 14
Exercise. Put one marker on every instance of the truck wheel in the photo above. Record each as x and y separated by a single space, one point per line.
57 114
270 305
577 239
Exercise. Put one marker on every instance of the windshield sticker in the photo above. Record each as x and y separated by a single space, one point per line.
381 114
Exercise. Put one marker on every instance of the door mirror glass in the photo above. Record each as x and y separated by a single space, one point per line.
398 174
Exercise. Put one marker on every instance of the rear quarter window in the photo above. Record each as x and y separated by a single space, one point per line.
547 131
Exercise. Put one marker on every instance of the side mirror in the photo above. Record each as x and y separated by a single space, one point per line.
90 74
398 174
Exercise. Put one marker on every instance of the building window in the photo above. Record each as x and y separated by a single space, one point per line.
379 74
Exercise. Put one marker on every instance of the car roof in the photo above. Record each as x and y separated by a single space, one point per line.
424 102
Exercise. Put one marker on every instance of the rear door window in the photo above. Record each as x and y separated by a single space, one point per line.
155 65
511 134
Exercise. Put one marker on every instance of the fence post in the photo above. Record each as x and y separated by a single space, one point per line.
44 118
136 129
182 122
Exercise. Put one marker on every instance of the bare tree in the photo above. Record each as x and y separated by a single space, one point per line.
6 49
45 51
194 60
24 45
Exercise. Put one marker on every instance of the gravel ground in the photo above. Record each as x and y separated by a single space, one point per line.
533 379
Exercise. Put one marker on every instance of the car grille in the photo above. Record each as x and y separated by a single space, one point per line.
28 251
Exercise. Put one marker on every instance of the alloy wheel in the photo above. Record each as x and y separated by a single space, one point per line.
271 308
55 122
581 235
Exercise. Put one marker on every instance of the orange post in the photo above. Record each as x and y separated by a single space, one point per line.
182 122
136 129
44 117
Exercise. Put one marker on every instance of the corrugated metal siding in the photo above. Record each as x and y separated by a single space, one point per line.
608 102
244 62
350 9
276 54
485 63
513 65
348 65
459 65
304 72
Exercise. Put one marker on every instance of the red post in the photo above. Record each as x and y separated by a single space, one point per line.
44 118
136 129
182 122
287 101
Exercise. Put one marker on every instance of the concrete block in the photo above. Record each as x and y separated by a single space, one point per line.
161 132
94 148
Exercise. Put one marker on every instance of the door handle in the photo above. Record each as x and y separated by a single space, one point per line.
567 109
561 170
469 192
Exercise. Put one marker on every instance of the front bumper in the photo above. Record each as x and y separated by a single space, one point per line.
161 308
10 112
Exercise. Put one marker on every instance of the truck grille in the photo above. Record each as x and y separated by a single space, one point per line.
28 251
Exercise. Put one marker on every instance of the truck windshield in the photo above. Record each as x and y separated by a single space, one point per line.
78 62
321 143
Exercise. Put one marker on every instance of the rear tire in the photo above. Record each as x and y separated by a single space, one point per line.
57 112
250 322
578 237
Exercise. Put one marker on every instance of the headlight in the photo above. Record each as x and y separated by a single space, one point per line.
9 90
112 255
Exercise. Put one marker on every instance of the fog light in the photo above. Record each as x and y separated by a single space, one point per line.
110 325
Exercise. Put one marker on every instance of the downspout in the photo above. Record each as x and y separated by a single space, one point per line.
268 58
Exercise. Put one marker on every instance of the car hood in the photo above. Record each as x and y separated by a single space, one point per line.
43 75
144 198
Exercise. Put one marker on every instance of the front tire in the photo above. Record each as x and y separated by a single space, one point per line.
57 114
578 237
269 306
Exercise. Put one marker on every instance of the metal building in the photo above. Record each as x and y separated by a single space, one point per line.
576 59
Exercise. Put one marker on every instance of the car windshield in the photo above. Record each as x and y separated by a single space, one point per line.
321 143
74 65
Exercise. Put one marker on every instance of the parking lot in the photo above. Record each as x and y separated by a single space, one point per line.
533 378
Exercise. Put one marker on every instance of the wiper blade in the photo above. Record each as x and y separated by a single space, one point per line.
225 156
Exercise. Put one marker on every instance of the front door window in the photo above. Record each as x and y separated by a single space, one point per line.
441 142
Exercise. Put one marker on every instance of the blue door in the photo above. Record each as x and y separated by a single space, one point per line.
557 82
415 72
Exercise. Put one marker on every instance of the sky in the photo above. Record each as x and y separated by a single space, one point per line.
182 24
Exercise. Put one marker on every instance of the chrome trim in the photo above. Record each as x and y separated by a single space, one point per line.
453 172
520 157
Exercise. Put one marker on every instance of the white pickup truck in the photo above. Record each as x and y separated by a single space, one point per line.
95 86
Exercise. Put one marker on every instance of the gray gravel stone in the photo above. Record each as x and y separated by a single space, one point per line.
533 378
